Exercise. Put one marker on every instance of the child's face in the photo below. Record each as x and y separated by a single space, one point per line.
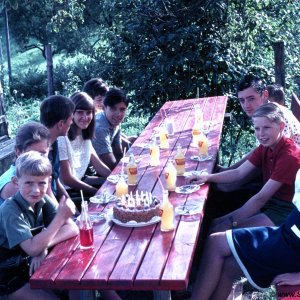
32 188
82 118
115 114
268 133
251 100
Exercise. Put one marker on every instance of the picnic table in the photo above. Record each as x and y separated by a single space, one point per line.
142 258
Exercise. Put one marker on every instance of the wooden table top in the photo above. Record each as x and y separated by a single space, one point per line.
142 258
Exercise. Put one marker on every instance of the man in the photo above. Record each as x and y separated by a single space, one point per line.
108 133
252 93
56 113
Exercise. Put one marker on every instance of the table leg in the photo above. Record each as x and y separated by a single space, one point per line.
87 295
162 295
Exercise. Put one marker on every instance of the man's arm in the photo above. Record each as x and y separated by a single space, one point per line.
109 159
100 167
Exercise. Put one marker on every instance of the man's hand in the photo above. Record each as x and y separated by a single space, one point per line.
287 279
197 179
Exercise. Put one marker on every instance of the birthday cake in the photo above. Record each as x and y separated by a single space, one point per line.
139 208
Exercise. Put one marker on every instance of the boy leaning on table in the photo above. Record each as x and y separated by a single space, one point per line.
278 158
30 210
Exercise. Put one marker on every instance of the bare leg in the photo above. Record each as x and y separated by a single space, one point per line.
211 267
230 272
26 292
255 221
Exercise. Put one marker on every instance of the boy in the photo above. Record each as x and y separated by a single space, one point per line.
108 133
56 113
28 209
278 158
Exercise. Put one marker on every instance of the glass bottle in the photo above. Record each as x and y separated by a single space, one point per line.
196 132
164 137
169 126
154 153
167 218
203 146
85 228
179 161
170 176
198 114
132 171
121 187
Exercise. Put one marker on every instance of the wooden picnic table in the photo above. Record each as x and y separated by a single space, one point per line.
143 258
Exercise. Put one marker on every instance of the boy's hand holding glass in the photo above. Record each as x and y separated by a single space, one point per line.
66 208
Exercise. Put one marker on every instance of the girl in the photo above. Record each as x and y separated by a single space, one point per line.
30 136
76 150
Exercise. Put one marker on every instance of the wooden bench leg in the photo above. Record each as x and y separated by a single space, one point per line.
87 295
162 295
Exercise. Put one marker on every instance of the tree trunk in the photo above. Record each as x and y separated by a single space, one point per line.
49 60
279 63
6 28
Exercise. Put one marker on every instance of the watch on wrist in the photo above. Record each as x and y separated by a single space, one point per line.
233 223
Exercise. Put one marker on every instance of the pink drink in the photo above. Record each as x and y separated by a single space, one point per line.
86 237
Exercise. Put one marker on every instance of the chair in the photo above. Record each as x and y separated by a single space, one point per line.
295 106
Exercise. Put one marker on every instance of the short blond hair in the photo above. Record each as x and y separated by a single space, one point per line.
270 111
33 163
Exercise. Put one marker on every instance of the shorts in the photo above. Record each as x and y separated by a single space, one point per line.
277 210
13 279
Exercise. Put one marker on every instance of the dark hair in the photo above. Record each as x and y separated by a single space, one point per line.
83 101
115 96
95 87
271 111
54 109
253 81
31 133
276 92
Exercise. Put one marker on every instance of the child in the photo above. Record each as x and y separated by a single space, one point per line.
56 113
76 150
278 158
30 207
108 133
96 88
265 255
30 136
276 93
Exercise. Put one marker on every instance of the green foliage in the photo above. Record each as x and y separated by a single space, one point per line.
159 50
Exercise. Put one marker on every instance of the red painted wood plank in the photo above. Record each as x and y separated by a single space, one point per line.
45 276
103 264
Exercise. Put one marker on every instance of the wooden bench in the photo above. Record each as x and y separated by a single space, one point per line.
295 106
7 153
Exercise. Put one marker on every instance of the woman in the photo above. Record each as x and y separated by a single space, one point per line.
76 150
30 136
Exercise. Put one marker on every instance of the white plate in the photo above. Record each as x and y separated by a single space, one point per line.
125 160
195 173
103 198
115 178
154 220
143 145
188 209
198 158
95 217
187 189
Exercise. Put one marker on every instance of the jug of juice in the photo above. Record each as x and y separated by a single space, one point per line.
179 161
132 171
85 228
167 218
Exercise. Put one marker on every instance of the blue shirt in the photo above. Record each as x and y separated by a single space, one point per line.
6 178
